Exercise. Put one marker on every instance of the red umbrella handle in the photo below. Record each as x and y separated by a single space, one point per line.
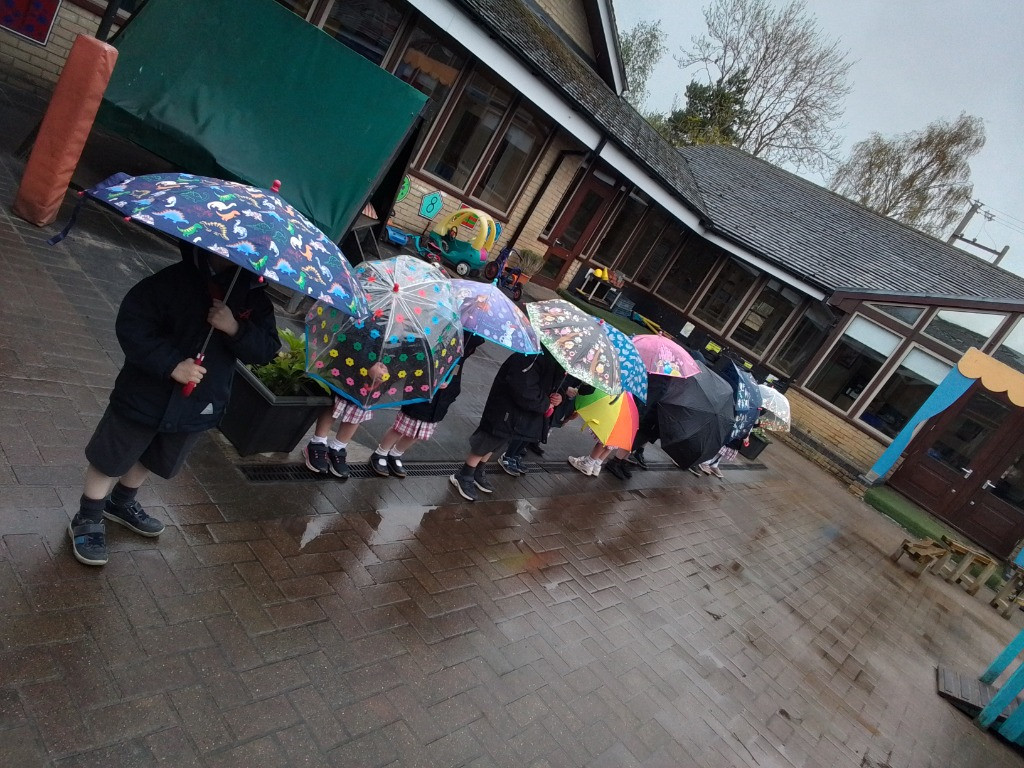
187 389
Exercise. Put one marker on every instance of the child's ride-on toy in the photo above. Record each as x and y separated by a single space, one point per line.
466 257
504 275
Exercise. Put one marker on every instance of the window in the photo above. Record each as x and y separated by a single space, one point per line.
368 27
687 272
429 66
853 362
766 316
300 7
961 330
624 225
907 388
1011 349
804 341
650 229
667 244
514 158
478 124
726 292
906 315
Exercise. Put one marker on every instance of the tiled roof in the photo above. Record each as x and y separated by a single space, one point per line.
527 37
829 240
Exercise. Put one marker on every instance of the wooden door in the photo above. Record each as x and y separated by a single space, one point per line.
581 218
962 469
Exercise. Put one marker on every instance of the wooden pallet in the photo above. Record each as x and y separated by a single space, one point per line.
965 692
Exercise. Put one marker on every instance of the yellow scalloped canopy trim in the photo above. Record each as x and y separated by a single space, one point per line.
994 375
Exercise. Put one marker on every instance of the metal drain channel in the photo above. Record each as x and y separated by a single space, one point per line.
292 473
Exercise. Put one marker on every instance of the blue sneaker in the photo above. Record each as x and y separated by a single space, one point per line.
133 517
88 540
510 465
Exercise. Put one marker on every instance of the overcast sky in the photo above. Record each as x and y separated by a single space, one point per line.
916 61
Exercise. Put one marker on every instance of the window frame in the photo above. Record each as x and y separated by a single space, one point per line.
447 112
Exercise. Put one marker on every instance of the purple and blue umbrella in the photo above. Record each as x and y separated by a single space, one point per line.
486 311
254 228
632 369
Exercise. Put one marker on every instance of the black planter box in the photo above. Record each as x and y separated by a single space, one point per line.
753 450
258 421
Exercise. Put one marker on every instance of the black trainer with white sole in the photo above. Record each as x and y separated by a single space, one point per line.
133 517
88 540
464 485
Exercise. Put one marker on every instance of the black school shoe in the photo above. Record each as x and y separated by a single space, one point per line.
133 517
464 485
379 464
395 466
315 455
88 540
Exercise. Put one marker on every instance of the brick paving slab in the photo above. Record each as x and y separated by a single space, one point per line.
566 621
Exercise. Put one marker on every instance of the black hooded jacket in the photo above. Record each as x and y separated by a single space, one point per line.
518 400
437 408
162 321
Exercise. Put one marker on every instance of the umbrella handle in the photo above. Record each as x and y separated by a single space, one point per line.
188 388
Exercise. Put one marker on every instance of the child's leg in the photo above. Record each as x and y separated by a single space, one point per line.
323 424
405 444
346 431
97 487
390 439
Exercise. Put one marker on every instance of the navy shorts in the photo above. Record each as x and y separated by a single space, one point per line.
118 443
482 442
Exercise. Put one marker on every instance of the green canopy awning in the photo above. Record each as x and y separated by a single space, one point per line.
247 90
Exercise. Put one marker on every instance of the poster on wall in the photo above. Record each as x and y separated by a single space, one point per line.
31 19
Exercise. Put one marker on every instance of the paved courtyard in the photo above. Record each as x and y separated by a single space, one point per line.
570 621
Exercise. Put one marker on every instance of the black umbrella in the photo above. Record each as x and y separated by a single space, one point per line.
695 417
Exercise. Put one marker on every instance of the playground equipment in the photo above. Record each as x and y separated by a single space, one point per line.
506 276
467 257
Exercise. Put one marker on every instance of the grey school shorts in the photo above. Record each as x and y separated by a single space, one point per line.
118 443
482 442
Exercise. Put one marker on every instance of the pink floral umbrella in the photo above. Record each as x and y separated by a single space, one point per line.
664 357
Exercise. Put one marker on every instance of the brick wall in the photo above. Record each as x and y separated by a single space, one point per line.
570 16
828 440
31 65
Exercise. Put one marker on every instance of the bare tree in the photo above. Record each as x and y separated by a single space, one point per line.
921 178
796 78
642 48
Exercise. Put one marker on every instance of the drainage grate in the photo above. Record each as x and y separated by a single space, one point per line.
291 473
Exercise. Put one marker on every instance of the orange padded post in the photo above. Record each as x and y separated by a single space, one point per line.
64 130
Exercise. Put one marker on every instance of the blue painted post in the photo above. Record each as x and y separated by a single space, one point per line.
1004 659
1002 699
1013 727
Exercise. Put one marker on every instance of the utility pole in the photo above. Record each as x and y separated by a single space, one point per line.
975 207
958 233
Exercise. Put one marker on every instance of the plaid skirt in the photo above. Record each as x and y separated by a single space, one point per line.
410 427
728 454
349 412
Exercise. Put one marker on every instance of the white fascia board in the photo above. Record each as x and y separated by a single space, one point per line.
610 42
494 55
652 187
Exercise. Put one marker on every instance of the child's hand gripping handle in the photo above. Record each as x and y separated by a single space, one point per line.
187 389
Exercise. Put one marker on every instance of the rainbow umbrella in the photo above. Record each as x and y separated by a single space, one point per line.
613 418
402 350
664 357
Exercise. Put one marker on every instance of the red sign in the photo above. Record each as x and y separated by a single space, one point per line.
32 19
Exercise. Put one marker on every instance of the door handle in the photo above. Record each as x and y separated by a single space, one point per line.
987 484
967 472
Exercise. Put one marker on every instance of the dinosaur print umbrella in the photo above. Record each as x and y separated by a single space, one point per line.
254 228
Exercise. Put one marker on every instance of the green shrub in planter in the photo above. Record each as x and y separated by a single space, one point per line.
272 406
759 440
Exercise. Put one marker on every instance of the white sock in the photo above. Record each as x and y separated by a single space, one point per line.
318 440
395 452
381 450
336 445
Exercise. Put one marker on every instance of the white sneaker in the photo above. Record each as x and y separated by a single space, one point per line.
581 463
595 467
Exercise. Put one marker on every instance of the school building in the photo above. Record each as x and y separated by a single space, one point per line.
857 316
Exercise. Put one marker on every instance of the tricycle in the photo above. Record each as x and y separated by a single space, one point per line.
506 277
